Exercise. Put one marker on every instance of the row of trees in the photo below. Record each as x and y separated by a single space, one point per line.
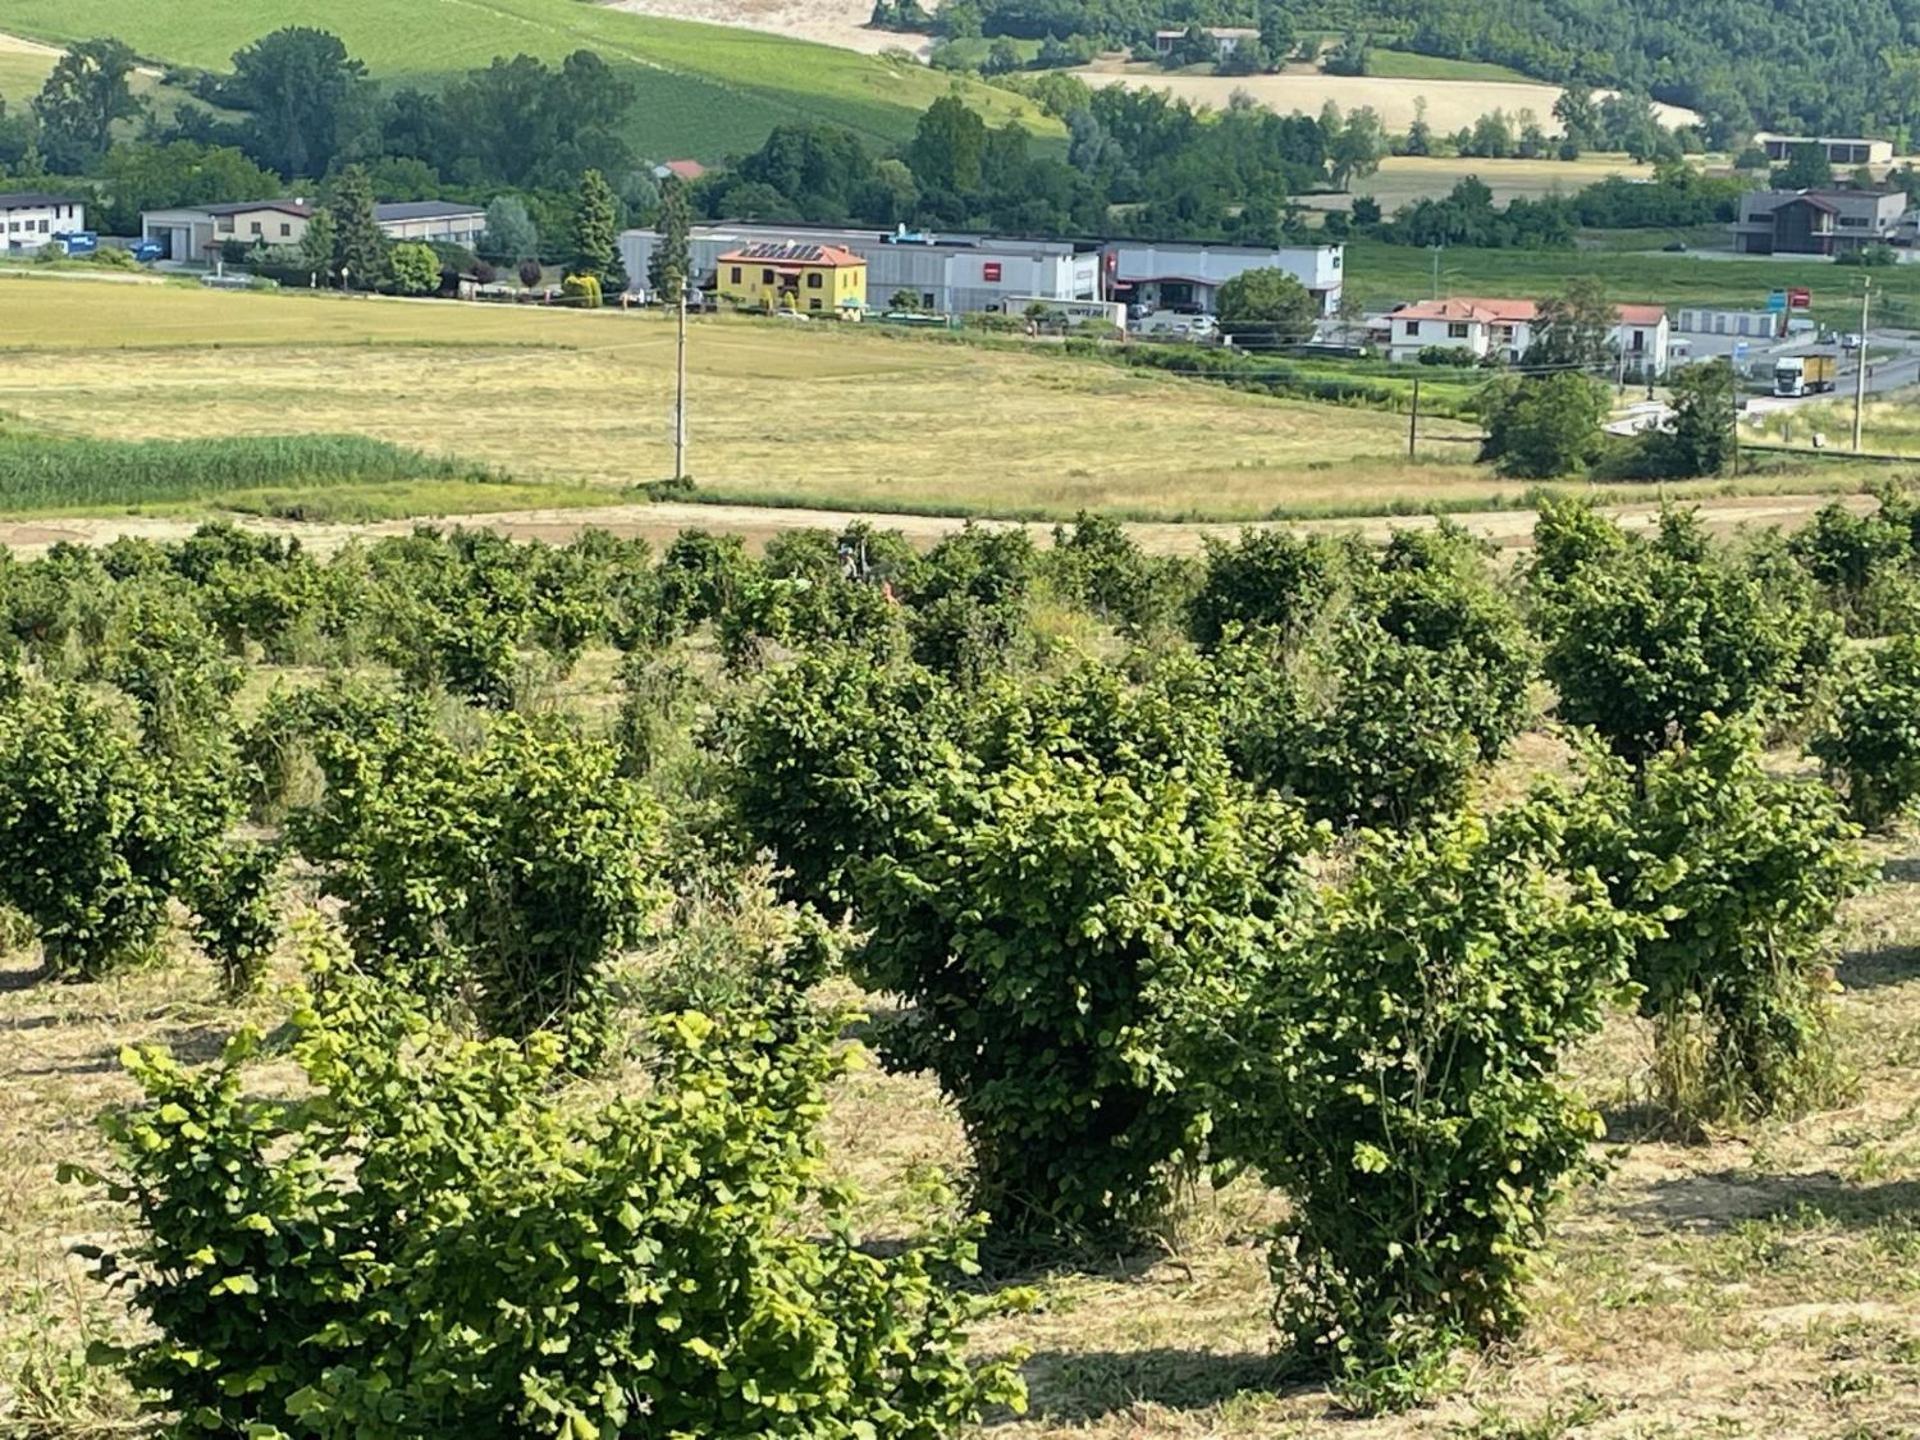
307 114
1234 897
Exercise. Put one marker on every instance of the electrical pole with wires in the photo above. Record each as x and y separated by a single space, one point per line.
1860 363
680 389
1413 418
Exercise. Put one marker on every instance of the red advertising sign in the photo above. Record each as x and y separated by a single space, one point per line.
990 270
1799 298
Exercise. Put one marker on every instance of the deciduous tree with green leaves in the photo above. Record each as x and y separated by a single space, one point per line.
86 93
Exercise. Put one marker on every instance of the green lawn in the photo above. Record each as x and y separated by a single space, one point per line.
705 90
1406 65
1378 274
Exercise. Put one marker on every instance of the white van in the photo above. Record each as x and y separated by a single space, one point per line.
1171 325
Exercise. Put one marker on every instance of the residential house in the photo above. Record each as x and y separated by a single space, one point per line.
1485 329
821 279
451 222
1168 275
30 218
1226 39
1816 222
196 234
1503 331
1843 151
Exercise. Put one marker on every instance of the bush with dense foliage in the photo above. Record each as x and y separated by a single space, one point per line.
1870 741
1743 871
1392 1068
1379 713
97 831
1071 889
826 762
512 873
1644 638
443 1242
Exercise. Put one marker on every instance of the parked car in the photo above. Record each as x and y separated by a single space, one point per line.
147 251
799 315
1850 341
1171 325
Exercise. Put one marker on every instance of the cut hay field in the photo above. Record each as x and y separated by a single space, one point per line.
578 407
780 414
1451 104
705 90
1403 179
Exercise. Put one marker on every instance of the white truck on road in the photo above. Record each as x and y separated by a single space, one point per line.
1795 375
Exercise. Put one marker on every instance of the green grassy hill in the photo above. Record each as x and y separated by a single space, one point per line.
705 90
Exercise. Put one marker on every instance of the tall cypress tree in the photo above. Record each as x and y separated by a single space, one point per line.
672 261
595 251
359 246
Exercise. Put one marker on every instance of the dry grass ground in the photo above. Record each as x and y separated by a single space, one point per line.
1402 179
783 416
780 413
1765 1285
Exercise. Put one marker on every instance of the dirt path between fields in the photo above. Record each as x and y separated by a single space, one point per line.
662 521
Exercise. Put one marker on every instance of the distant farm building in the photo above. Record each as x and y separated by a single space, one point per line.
443 220
197 233
1226 39
1839 151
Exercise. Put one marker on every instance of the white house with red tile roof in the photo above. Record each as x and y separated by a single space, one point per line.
1502 330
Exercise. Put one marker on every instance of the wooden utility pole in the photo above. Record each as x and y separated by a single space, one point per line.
1413 418
1860 363
680 390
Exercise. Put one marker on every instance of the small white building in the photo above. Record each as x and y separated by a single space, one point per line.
31 218
448 221
1226 39
1163 275
195 234
1503 331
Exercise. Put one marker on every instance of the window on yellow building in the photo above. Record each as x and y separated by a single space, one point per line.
736 274
766 277
813 279
813 302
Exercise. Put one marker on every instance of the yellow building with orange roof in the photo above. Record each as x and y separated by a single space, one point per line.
791 275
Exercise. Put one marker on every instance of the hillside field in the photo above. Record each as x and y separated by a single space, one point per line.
1451 104
706 91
